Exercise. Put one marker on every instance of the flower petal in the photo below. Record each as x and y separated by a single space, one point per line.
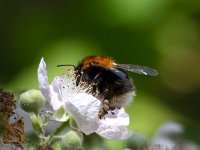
50 92
115 126
43 80
84 108
56 100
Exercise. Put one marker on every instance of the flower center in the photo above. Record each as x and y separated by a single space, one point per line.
69 86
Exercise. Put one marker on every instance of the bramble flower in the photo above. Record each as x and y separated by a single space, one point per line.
82 106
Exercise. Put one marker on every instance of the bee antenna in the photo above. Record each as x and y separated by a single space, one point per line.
66 65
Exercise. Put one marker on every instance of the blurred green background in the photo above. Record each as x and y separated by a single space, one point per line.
164 35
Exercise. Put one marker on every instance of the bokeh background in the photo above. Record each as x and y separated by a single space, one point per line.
164 35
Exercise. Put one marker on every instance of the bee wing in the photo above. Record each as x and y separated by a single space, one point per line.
138 69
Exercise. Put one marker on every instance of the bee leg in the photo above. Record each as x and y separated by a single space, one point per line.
105 108
102 113
112 110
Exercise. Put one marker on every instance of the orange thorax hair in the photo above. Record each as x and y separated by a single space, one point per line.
98 60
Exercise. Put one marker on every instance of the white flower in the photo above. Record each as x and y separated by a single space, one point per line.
168 135
83 107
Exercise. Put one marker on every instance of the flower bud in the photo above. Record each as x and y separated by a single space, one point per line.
71 141
31 101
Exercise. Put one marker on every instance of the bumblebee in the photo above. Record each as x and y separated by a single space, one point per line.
109 81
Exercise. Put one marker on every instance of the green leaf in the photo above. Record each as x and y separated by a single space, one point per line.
36 123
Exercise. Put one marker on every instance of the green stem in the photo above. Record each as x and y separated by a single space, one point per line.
48 139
